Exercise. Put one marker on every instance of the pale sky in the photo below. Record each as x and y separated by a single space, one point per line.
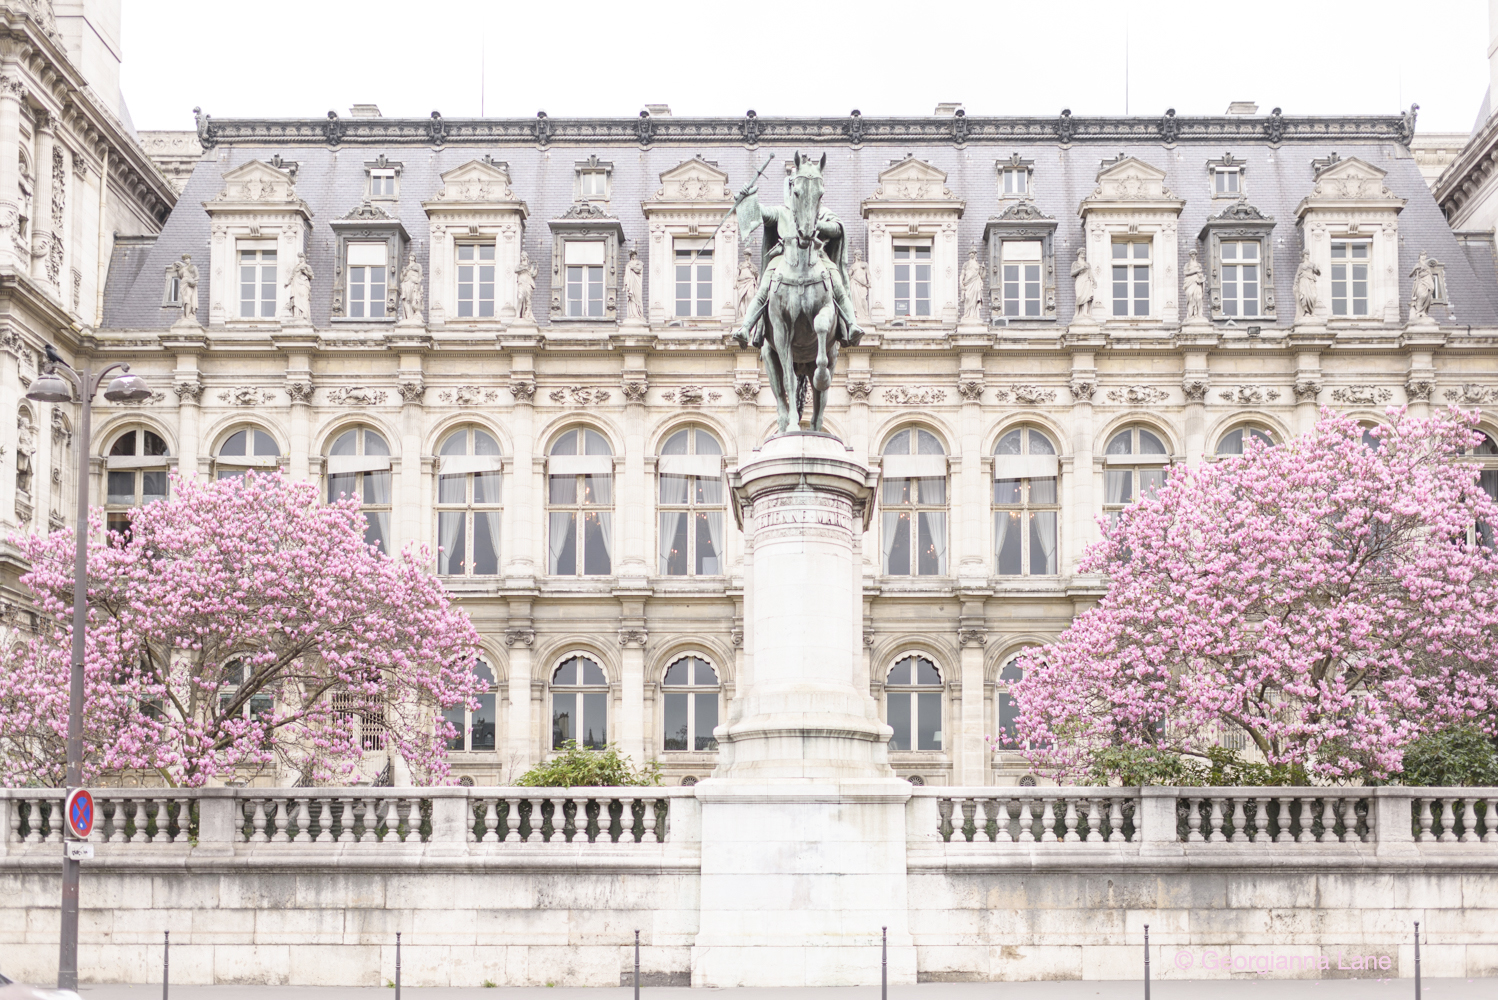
275 58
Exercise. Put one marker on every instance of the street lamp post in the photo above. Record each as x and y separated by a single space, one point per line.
49 388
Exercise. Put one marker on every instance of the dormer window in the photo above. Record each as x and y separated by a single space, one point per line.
1226 182
595 184
383 178
382 183
592 179
1016 182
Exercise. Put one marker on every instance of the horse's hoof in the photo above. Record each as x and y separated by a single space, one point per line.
823 379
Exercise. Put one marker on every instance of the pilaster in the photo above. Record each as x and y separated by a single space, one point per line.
524 545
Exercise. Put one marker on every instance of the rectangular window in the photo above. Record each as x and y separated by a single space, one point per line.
584 279
257 282
594 184
1225 182
1131 278
1240 278
913 279
366 280
694 278
475 280
915 714
382 183
1021 278
1016 181
1350 260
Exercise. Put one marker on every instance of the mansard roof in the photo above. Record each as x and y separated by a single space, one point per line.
542 176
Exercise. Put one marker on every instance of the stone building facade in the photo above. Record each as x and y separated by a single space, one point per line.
513 338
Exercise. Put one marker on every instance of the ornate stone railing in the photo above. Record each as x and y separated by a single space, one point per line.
1388 816
245 818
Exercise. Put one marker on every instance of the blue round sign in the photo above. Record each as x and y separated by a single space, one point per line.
79 810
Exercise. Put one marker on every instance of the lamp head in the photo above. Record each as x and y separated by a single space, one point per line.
127 388
49 388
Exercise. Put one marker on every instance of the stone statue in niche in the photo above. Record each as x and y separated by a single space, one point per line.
634 287
525 286
299 282
1193 285
186 273
1422 288
745 284
1085 285
25 449
1307 287
858 277
972 288
411 304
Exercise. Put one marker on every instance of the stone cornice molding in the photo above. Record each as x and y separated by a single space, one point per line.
753 130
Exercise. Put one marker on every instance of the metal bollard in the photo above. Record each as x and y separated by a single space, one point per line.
1146 962
637 965
884 963
397 965
1417 960
166 961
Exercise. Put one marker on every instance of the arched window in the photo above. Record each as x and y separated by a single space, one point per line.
1233 441
1134 466
1008 709
912 698
1486 454
246 448
691 504
359 466
579 704
690 690
1372 436
580 500
1026 507
468 496
137 466
475 728
915 505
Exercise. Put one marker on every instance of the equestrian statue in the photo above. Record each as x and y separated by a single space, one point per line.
802 311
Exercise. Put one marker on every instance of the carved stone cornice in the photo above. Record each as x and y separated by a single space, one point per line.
933 130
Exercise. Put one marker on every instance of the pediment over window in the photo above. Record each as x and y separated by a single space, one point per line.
1352 179
694 180
912 179
477 181
1022 211
257 183
1129 179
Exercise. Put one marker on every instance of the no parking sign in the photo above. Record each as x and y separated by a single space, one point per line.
79 811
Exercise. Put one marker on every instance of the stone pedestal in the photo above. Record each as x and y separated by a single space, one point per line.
803 822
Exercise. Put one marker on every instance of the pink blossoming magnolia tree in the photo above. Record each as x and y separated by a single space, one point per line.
241 625
1329 597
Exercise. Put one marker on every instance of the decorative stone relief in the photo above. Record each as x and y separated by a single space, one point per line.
1306 390
1249 395
470 395
972 636
244 395
189 391
25 452
1195 389
299 391
582 395
1364 394
155 397
59 187
691 395
905 396
1472 394
747 392
736 635
1419 389
634 390
524 636
77 289
1031 395
860 390
412 390
524 390
1082 389
356 395
1138 394
633 636
971 390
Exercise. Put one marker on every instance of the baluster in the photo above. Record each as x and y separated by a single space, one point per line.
512 820
257 821
1448 821
1284 836
1194 820
1489 823
1368 828
969 828
1069 821
98 834
944 818
1425 819
1307 821
369 821
13 836
1260 831
147 811
1048 819
491 820
345 820
580 819
54 821
404 826
1469 822
324 819
279 826
1214 833
1115 821
303 820
1347 813
650 835
1095 809
991 821
1240 822
1026 821
535 834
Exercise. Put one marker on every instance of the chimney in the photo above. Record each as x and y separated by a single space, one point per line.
364 111
658 110
1243 108
948 109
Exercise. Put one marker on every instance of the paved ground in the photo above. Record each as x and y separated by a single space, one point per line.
1235 989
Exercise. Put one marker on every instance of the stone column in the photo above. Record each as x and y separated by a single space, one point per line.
189 392
630 731
968 487
1081 518
12 93
298 347
970 761
522 533
10 401
1420 383
1194 386
41 199
520 740
803 822
631 563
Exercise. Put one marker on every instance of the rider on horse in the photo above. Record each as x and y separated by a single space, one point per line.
832 248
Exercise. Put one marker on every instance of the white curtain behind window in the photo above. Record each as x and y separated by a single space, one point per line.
714 565
935 524
559 534
1045 539
448 527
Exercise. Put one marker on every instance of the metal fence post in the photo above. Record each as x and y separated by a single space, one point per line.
1146 962
397 965
884 963
1417 960
637 965
166 961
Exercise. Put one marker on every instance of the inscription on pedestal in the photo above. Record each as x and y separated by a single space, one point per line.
803 515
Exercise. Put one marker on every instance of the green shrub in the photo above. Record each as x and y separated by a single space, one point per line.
1457 755
1153 766
579 766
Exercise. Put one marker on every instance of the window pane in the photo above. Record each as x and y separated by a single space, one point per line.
674 489
706 721
486 542
562 543
675 725
122 488
928 732
563 719
595 720
1007 542
709 541
596 558
152 485
452 489
457 715
673 543
899 720
933 543
896 543
1118 486
450 542
1043 542
341 485
1043 489
483 723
